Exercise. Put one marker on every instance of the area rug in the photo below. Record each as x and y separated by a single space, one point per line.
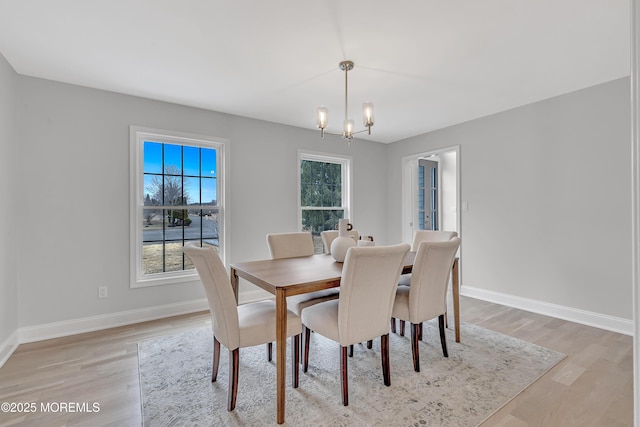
482 373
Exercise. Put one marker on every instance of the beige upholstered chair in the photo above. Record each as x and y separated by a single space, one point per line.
362 313
292 245
426 297
431 236
237 326
329 236
418 237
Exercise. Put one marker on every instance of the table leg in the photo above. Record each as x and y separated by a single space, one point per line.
234 282
281 351
455 283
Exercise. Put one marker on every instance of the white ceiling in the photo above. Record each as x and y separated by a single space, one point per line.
425 64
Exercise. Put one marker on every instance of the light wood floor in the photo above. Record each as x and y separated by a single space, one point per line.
593 386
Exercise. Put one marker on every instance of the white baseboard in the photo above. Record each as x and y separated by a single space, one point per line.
8 347
95 323
602 321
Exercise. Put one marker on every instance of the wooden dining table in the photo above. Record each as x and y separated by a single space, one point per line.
285 277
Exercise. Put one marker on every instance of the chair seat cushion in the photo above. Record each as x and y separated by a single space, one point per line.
401 304
297 303
323 319
258 323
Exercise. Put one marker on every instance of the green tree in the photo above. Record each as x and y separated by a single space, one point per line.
320 187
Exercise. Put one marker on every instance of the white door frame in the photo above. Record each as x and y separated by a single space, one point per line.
410 186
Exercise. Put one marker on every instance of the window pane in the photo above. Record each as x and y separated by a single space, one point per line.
152 190
173 256
208 162
176 220
204 223
209 191
305 194
191 191
305 176
152 258
191 160
173 159
210 227
172 190
152 157
152 224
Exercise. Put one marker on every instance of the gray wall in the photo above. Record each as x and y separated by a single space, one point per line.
73 175
9 211
548 187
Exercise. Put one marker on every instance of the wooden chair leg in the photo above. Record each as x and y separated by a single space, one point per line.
216 359
307 335
370 344
386 373
295 360
402 328
420 331
234 364
443 338
393 325
351 350
343 376
415 351
269 351
301 358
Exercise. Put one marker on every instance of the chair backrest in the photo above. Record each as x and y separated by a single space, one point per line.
290 245
222 300
431 236
329 236
367 291
430 278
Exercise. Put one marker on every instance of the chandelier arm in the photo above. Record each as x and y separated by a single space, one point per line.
326 132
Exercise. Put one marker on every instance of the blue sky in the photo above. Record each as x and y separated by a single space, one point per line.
192 162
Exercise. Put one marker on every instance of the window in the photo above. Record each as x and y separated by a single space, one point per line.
176 197
325 193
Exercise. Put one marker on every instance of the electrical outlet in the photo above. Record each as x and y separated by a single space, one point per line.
102 292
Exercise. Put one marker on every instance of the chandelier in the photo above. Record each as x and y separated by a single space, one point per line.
348 126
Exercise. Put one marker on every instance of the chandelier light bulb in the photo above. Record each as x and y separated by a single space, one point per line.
367 115
323 119
348 129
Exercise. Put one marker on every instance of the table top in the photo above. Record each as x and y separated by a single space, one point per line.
298 275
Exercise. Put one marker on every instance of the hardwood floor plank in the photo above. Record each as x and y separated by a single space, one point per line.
593 386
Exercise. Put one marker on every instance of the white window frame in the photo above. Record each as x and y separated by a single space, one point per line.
347 179
137 136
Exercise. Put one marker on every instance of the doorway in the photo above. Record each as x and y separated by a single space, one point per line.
430 192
